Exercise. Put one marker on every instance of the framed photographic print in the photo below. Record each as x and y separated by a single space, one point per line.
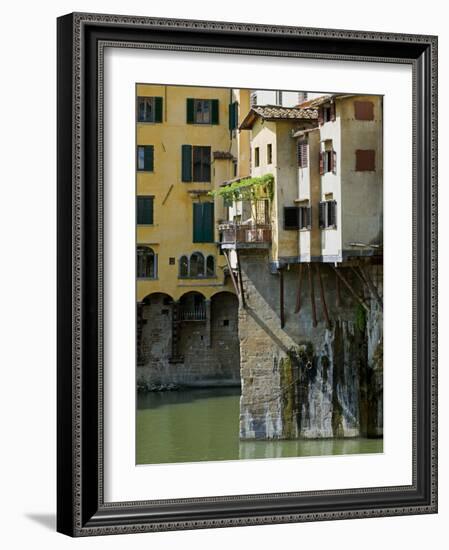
246 274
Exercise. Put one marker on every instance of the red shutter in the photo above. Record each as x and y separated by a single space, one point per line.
321 163
320 115
334 162
333 111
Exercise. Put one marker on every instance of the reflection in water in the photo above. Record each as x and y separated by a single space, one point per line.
203 424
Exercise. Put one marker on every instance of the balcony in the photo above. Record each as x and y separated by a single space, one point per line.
248 235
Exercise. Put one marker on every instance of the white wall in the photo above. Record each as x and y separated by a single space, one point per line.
27 218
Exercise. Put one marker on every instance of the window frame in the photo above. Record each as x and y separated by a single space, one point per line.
155 264
145 170
256 157
206 257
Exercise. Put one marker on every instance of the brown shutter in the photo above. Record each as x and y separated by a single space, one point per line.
320 115
365 160
334 162
333 111
321 163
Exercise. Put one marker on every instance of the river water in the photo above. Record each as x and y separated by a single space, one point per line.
203 424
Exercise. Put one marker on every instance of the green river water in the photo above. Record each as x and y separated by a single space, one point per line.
203 424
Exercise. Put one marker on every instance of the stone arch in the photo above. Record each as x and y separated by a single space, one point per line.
192 306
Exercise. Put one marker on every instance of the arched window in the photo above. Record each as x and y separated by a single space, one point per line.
146 263
210 266
197 265
183 266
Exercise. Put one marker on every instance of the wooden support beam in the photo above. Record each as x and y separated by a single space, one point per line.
231 273
242 292
337 292
281 297
372 287
351 290
359 276
298 292
312 295
322 297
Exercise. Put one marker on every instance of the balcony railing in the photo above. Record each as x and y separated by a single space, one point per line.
245 235
192 313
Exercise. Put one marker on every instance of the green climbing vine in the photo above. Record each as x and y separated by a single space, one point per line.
258 187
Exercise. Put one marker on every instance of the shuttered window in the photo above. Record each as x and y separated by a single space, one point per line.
291 217
233 115
328 214
149 109
196 161
202 111
256 156
269 153
145 158
203 222
365 160
145 210
364 110
328 162
326 113
303 153
305 217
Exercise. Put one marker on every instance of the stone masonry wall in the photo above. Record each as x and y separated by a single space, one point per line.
207 351
305 381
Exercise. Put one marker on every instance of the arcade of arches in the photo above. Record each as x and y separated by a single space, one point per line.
191 342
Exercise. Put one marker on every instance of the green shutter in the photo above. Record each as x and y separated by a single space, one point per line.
197 222
208 222
158 109
148 158
215 114
186 163
203 222
144 210
190 115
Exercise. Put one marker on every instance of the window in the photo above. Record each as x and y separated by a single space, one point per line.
365 160
291 217
210 266
146 263
149 109
196 163
256 156
203 222
305 217
183 266
145 210
326 113
145 158
253 99
269 154
328 161
196 266
202 111
297 217
364 110
328 214
233 115
303 153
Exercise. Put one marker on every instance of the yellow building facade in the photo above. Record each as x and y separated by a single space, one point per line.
185 149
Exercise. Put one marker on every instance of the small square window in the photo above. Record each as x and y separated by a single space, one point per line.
171 261
226 322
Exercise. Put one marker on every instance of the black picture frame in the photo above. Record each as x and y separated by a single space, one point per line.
81 510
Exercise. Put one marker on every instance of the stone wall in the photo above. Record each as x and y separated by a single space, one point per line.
207 351
306 381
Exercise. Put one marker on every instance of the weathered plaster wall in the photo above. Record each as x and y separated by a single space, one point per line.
305 381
